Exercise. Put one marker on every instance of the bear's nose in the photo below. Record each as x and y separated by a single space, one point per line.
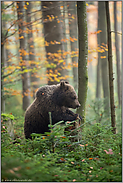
78 105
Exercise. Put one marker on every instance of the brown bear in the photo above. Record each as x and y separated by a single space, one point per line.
51 98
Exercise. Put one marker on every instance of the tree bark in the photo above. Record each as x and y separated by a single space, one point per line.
117 55
53 35
104 55
72 12
83 56
65 36
110 66
34 79
2 65
23 58
98 78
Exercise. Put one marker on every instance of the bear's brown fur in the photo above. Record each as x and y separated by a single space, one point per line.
50 98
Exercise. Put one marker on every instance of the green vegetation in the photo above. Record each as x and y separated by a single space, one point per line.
54 157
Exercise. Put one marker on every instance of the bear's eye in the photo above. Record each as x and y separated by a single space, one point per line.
73 97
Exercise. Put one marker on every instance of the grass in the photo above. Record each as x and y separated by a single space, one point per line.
96 157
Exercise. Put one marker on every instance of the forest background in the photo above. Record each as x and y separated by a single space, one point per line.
40 46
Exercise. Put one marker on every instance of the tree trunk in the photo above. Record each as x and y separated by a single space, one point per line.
83 56
104 60
23 59
64 27
98 78
110 66
2 62
65 36
34 79
2 65
117 55
72 14
53 35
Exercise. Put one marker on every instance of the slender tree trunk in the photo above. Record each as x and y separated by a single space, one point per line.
110 65
2 65
83 56
64 26
2 82
72 14
25 75
98 78
117 55
64 34
34 79
104 55
53 35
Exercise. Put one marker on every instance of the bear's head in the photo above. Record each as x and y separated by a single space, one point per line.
66 96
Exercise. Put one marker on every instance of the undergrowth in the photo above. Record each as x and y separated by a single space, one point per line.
94 156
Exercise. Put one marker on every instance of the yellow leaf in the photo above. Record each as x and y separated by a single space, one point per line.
75 39
5 80
51 42
71 39
31 46
103 57
46 43
58 42
25 7
61 61
99 31
27 3
21 37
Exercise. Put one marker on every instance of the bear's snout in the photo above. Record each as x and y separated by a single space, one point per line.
78 105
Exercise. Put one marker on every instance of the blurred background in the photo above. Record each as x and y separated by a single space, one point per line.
40 46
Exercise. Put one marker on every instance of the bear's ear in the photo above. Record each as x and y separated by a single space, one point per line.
66 82
63 84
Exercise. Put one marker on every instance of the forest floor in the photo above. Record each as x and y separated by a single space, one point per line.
58 157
